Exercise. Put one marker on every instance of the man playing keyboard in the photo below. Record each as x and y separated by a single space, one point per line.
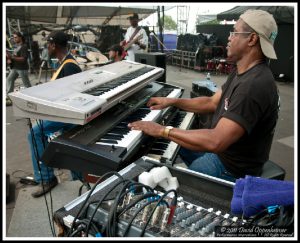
245 109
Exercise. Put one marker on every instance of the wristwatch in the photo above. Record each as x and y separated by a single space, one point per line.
167 131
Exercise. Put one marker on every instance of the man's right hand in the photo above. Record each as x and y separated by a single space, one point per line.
122 43
158 103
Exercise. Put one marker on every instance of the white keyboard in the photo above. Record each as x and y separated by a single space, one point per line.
170 150
132 137
82 97
121 88
166 149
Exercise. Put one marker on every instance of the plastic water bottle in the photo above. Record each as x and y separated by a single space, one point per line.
208 76
81 53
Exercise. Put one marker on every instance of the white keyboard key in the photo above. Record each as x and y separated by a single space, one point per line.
132 137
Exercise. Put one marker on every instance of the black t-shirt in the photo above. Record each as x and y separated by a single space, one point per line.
20 51
68 68
251 99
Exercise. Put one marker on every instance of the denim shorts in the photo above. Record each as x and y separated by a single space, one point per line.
206 163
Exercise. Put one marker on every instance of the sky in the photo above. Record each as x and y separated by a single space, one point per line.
204 8
193 10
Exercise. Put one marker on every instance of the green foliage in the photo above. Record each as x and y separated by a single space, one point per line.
169 23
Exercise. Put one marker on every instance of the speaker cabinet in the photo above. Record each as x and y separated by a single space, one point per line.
156 59
203 88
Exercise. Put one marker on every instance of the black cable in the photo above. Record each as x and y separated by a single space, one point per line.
86 184
44 141
134 216
121 196
41 126
137 212
136 201
85 223
137 184
289 217
79 229
109 229
26 173
113 221
112 216
37 157
152 212
89 194
101 200
282 216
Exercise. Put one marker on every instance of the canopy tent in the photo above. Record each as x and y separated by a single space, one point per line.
81 15
282 14
284 44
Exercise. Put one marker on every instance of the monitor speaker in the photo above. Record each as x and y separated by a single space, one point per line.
156 59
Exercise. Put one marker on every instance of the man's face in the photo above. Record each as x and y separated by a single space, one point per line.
237 41
111 54
51 49
133 22
17 39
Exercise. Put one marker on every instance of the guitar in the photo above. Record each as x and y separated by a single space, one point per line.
127 45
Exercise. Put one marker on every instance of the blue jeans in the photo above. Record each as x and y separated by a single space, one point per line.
206 163
13 75
47 173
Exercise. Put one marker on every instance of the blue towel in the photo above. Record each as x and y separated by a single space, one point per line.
259 193
236 202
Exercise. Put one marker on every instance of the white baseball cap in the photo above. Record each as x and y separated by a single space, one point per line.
265 26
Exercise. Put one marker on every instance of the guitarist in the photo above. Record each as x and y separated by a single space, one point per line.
18 63
135 35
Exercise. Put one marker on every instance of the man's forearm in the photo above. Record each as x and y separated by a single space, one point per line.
18 59
198 105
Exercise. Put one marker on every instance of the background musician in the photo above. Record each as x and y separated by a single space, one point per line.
115 53
136 35
38 136
18 63
245 109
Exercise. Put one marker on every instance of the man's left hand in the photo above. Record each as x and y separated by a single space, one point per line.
150 128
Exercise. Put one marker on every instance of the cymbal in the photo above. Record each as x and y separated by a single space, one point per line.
96 57
83 66
92 63
80 59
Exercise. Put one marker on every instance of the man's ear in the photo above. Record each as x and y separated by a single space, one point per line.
254 38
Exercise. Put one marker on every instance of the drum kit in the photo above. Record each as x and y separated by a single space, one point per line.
220 66
80 60
96 59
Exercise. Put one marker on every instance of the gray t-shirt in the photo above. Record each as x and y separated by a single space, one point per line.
21 51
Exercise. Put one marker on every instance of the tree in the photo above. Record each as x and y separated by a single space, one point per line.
169 23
